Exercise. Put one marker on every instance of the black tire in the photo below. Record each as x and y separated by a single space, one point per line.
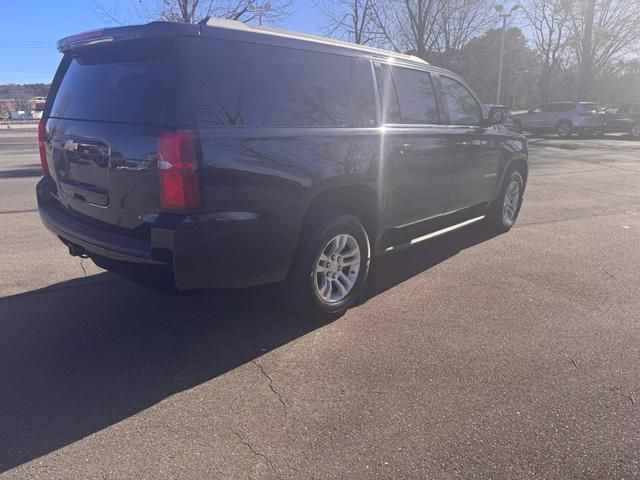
563 129
495 219
299 292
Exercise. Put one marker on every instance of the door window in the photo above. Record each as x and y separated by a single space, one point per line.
463 107
416 96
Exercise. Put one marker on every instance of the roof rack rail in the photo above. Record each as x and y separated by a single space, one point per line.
237 25
224 23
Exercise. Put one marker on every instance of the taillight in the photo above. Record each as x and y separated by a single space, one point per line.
42 138
178 166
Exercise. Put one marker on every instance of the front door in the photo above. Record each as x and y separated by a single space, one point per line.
474 150
416 168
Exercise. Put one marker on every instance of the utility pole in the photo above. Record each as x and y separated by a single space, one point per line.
504 15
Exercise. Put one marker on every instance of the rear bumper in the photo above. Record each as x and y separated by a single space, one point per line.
220 250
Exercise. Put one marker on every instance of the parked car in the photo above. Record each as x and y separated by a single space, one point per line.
563 118
623 118
231 155
502 112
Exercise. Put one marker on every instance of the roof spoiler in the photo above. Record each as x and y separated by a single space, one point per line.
107 36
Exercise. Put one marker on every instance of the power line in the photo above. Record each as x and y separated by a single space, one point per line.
25 44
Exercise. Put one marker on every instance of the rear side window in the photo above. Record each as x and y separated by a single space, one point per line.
127 83
463 107
415 93
240 84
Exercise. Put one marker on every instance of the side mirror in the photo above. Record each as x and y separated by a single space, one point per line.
496 116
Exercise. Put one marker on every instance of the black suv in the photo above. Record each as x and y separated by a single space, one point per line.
231 155
623 119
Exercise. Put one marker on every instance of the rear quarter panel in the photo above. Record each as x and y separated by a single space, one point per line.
271 175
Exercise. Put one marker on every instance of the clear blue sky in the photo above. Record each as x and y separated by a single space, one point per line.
30 29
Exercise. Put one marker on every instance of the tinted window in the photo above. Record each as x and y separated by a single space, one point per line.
591 107
388 95
259 85
463 108
559 107
128 84
363 95
416 97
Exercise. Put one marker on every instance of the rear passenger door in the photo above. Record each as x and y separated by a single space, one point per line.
474 150
416 169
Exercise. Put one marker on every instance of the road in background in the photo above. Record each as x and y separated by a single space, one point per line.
474 357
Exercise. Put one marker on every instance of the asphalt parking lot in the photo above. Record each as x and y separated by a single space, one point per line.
510 357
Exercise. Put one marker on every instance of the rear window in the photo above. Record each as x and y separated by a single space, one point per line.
128 83
241 84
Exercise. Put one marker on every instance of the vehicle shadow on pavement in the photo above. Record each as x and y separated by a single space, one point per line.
81 355
390 270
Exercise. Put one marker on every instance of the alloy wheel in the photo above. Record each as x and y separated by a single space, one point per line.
564 130
337 268
510 204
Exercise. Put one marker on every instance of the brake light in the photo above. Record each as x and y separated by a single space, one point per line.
178 166
84 36
42 138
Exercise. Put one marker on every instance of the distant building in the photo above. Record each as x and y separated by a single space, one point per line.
10 108
37 103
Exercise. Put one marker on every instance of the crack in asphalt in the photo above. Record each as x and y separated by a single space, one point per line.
82 267
258 454
12 212
262 370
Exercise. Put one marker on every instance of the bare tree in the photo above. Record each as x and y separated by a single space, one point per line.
407 25
430 27
459 21
548 23
603 31
22 103
192 11
350 20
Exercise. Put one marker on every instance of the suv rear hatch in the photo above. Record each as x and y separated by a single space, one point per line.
112 104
